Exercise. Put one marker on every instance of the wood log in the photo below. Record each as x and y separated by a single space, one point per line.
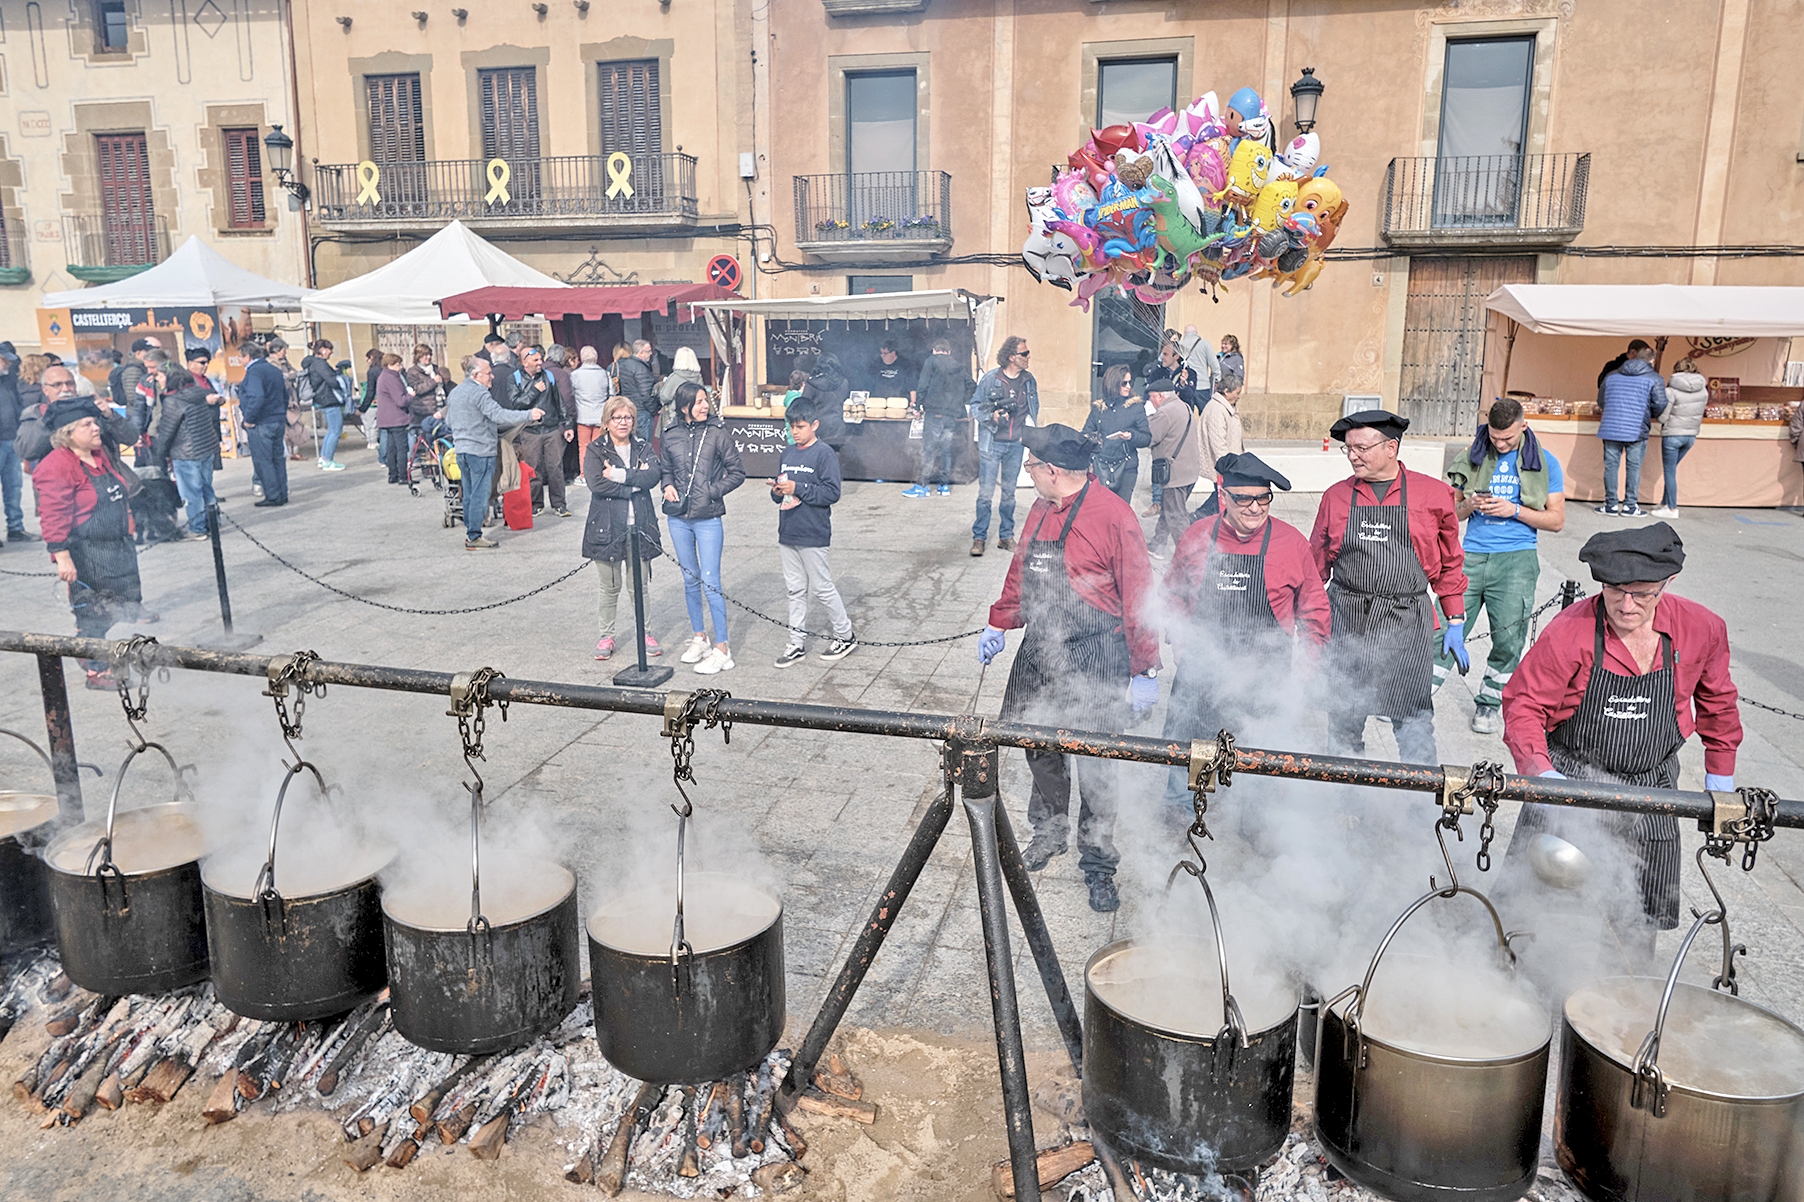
328 1080
58 987
779 1178
364 1153
26 1085
81 1095
427 1105
1053 1165
834 1107
843 1085
163 1082
453 1128
763 1103
582 1172
222 1103
111 1094
736 1115
489 1139
611 1175
798 1147
136 1077
62 1022
404 1153
51 1078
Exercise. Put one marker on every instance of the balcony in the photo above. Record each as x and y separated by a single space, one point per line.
1535 200
573 193
15 264
874 217
100 249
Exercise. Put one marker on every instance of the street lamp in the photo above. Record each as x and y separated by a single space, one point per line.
279 150
1305 94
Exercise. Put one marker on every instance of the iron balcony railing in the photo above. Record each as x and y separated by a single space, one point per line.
1470 197
115 239
874 206
566 186
13 255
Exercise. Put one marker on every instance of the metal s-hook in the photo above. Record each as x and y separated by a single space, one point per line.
289 670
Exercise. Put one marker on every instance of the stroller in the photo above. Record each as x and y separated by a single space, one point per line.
431 438
454 492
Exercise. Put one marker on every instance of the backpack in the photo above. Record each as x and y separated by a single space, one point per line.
303 390
115 384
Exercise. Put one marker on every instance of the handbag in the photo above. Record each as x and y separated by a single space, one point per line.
1161 473
675 508
1112 471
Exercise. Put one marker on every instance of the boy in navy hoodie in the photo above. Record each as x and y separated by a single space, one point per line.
805 489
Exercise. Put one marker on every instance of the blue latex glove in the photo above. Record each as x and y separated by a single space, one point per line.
1719 784
990 644
1555 774
1454 644
1143 691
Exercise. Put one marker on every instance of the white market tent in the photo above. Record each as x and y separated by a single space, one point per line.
1652 310
407 291
195 276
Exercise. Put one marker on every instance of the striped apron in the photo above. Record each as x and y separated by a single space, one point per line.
1383 635
1625 731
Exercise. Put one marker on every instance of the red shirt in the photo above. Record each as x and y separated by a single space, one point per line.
66 496
1105 560
1551 679
1433 532
1292 586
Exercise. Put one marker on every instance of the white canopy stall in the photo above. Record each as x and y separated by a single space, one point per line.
1555 339
196 276
407 291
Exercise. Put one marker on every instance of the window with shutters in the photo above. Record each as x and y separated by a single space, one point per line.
510 113
125 200
244 179
397 135
112 28
632 123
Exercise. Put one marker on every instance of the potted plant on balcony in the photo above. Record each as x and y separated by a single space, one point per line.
875 226
832 226
924 226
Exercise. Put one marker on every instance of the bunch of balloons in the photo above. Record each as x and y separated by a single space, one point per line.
1199 195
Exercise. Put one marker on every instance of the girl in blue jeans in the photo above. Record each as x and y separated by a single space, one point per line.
699 467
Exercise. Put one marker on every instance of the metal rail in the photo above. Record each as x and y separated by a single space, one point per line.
966 729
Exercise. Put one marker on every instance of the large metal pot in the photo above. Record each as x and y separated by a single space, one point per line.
310 952
25 824
1178 1076
126 896
1435 1089
714 1005
494 977
1706 1105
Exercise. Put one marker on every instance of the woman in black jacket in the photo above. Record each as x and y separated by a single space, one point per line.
700 467
620 471
827 390
1118 423
187 439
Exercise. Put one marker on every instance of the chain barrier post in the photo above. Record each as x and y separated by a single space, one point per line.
642 676
230 640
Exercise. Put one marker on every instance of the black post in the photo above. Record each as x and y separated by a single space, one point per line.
1039 941
643 676
869 942
980 811
1570 592
61 734
229 641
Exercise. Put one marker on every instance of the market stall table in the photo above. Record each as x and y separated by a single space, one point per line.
874 449
1737 464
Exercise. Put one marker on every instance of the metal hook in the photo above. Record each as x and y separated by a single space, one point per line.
1720 916
265 888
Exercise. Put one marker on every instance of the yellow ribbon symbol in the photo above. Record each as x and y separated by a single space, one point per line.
499 174
368 175
620 170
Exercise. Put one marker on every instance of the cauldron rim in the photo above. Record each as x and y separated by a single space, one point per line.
48 855
511 924
1627 1064
9 794
1120 945
653 957
233 895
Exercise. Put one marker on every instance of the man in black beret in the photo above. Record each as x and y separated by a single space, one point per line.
1079 582
1386 540
1611 691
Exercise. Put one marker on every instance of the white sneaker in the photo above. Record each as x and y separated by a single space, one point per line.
715 661
331 465
1665 511
697 648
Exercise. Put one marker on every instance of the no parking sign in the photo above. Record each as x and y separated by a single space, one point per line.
724 270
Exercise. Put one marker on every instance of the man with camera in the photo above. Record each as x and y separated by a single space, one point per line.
1006 400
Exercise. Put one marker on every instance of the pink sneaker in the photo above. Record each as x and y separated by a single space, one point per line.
605 648
651 646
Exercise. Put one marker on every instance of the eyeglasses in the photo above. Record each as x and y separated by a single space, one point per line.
1022 354
623 417
1356 451
1249 500
1031 464
1642 597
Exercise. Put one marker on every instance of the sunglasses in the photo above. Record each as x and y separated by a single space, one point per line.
1249 500
1022 354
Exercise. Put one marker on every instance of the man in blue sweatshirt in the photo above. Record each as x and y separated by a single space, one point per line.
263 405
1628 398
805 489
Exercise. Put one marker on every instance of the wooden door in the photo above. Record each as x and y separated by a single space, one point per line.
127 213
1444 338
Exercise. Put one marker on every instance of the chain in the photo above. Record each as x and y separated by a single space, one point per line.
801 630
36 575
1534 618
399 609
290 672
702 706
130 653
1754 827
1771 709
469 705
1210 766
1484 787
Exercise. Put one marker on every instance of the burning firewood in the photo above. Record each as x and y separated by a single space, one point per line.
363 1154
1053 1165
425 1107
611 1176
81 1094
453 1128
111 1094
761 1111
735 1107
687 1166
328 1080
162 1082
222 1103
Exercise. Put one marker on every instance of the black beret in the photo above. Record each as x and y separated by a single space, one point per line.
1061 446
1248 471
197 352
1644 553
1391 425
68 411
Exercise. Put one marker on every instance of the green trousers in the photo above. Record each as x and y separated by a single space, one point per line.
1503 584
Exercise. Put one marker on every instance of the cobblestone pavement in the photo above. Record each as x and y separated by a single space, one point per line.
822 816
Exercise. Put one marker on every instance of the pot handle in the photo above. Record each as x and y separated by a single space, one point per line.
45 756
265 889
477 923
680 950
1233 1023
104 848
1650 1087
